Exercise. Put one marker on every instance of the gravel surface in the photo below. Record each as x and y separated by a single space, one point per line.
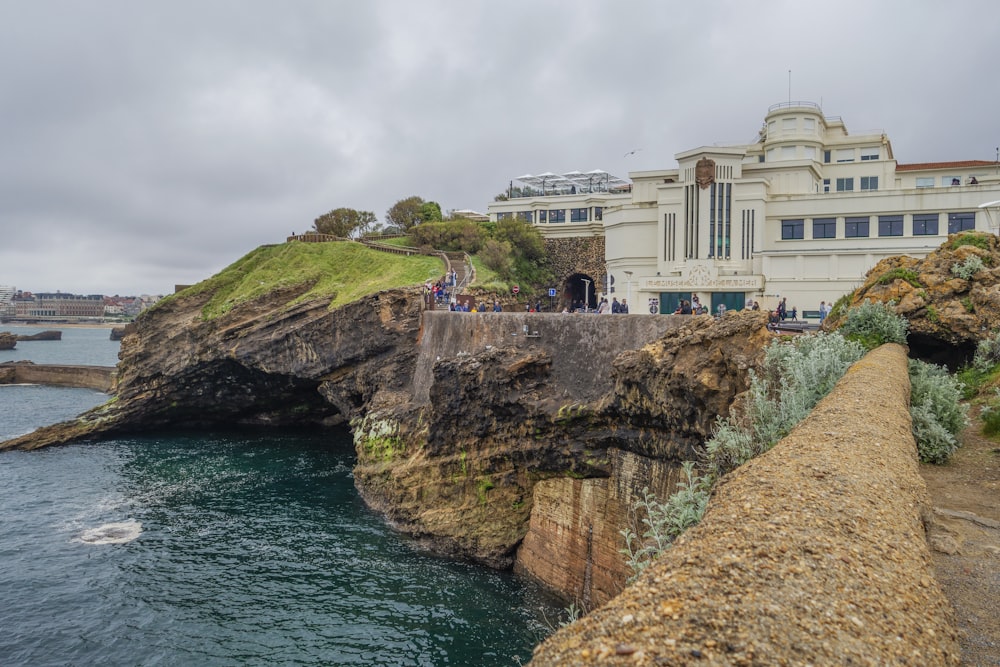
813 554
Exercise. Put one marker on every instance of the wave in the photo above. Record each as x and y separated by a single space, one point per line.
112 533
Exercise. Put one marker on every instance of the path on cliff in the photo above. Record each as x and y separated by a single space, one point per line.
964 534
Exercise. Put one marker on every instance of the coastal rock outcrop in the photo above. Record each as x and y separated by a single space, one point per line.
7 340
471 470
264 362
950 304
458 418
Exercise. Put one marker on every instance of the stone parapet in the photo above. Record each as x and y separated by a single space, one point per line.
813 553
101 378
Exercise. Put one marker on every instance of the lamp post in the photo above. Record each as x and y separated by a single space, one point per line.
586 294
628 288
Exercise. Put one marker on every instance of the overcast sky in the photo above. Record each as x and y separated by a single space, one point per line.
151 143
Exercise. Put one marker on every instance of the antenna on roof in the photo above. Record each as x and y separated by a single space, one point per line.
789 87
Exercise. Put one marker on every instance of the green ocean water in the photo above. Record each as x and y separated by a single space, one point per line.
239 548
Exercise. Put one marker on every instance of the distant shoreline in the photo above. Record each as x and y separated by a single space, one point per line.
52 326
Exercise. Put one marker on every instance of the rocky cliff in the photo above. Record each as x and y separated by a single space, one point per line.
264 362
950 309
475 433
536 440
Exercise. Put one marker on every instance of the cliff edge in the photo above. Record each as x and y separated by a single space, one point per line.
813 553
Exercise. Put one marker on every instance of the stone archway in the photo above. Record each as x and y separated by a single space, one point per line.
574 259
580 289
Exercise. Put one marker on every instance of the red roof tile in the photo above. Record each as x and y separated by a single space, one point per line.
945 165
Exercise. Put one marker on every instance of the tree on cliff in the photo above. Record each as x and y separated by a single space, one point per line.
345 222
517 253
409 212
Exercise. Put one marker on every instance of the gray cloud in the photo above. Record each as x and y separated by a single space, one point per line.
148 144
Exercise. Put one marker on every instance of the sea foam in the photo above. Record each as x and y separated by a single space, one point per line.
112 533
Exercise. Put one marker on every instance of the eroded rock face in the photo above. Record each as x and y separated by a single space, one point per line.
260 363
7 340
948 314
457 417
460 470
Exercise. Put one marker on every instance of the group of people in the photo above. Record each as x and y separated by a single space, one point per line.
472 307
614 307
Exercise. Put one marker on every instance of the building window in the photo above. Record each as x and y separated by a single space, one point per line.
845 185
543 216
760 158
527 216
856 228
961 222
951 180
809 124
845 155
925 181
869 153
809 152
598 213
925 224
788 152
890 225
771 154
826 157
788 124
826 185
869 183
792 229
825 228
504 215
557 215
578 215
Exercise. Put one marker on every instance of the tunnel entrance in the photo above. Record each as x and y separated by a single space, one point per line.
579 291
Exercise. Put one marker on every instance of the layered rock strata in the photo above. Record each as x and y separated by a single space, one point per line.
813 553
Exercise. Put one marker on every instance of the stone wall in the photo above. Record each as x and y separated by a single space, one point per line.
570 256
101 378
813 553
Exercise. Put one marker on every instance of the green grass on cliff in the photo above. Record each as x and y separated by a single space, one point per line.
344 272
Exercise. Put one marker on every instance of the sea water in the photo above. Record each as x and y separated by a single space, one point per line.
227 548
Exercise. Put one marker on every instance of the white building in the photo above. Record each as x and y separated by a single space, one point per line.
801 214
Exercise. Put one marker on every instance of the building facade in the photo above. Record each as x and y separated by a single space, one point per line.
801 214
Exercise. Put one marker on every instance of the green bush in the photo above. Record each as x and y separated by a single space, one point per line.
874 323
900 273
970 267
841 305
978 240
938 415
990 414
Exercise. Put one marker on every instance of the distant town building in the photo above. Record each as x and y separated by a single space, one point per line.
800 214
58 306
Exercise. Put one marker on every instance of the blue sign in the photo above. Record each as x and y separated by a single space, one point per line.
552 291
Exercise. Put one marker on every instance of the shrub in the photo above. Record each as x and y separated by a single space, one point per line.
874 323
968 305
841 305
900 273
665 521
987 353
990 414
794 376
970 267
938 415
973 239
